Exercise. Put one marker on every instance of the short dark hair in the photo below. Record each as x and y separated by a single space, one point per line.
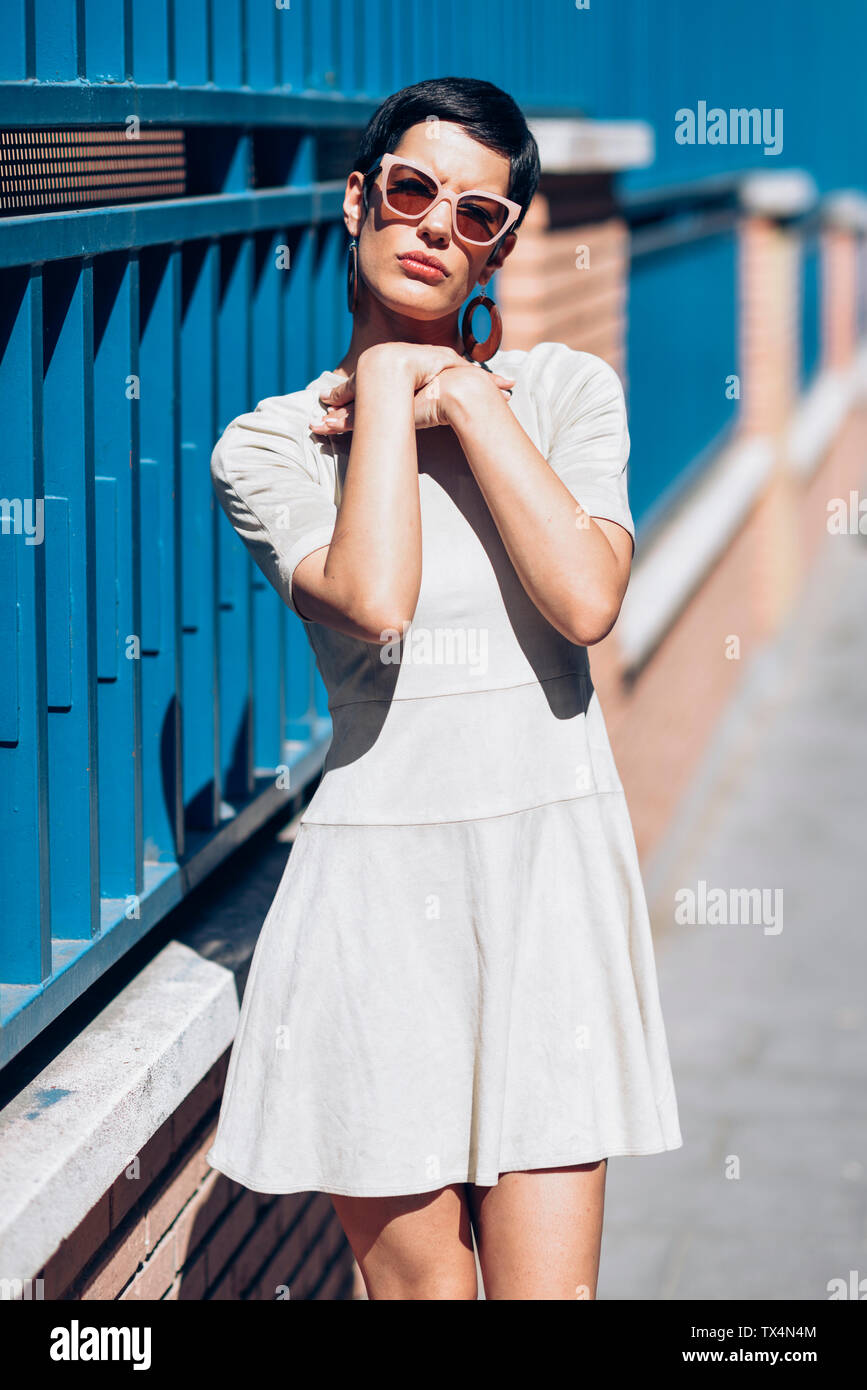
486 112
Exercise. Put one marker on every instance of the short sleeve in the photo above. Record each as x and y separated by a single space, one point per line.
271 493
589 440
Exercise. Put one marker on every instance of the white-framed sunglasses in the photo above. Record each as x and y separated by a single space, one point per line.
410 190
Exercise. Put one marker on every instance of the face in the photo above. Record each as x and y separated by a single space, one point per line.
386 240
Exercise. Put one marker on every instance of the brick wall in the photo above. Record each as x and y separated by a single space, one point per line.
179 1229
661 724
566 281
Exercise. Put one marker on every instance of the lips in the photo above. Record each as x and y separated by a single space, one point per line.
419 260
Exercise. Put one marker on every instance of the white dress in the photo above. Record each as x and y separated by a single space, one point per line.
456 976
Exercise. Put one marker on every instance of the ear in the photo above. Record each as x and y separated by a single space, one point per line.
492 265
353 203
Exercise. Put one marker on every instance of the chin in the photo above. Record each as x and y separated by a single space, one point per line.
416 300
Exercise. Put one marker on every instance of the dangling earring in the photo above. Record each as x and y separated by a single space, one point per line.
476 351
352 277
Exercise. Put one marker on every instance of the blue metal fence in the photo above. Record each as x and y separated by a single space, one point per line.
682 382
811 315
156 695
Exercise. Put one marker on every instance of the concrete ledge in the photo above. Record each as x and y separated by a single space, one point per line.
581 146
846 209
778 193
816 421
67 1136
685 548
821 412
687 545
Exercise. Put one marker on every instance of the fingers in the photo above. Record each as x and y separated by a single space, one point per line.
341 393
336 420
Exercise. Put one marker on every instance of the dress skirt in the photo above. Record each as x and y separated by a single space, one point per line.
460 1002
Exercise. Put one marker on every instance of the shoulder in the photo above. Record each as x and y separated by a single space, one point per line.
276 431
557 374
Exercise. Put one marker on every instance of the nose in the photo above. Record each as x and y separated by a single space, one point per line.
438 219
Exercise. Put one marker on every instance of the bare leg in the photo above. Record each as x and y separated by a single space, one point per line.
416 1247
539 1232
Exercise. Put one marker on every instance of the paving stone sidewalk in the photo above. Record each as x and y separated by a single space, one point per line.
767 1029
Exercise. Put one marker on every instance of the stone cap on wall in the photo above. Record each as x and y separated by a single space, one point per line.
779 193
579 145
846 208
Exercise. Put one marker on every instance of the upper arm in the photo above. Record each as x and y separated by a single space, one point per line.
274 501
313 603
589 443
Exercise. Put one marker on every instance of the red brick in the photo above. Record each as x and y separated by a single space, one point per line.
156 1275
193 1278
230 1232
337 1284
195 1223
74 1253
191 1111
177 1190
154 1158
118 1264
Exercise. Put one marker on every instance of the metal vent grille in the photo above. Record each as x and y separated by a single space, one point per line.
50 170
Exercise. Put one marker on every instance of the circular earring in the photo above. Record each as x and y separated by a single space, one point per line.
476 351
352 277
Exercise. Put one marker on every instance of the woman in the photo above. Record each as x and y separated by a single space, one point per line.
452 1015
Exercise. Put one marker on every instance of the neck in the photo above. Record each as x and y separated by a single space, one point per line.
374 322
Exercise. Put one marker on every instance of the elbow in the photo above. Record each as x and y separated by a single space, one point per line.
592 623
379 625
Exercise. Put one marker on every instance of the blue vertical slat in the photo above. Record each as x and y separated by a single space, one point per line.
150 41
199 696
291 34
328 346
322 30
265 353
228 39
191 42
58 604
159 359
106 503
11 537
117 389
262 67
375 46
57 40
13 50
25 953
104 40
234 561
351 34
810 307
298 314
70 640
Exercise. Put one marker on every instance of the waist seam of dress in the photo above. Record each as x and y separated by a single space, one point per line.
439 694
463 820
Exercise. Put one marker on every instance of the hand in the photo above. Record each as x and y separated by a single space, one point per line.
427 369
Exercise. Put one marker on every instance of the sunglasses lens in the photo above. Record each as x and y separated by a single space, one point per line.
480 219
409 190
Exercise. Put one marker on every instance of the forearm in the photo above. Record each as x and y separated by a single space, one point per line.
374 560
562 558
